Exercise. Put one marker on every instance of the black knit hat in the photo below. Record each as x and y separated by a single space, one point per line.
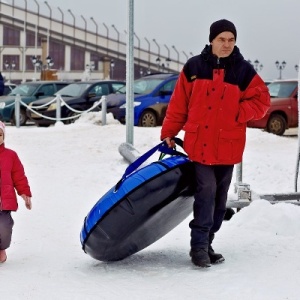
220 26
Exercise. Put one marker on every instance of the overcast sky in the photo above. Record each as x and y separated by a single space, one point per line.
267 30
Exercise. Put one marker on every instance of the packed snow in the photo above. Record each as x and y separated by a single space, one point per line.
70 167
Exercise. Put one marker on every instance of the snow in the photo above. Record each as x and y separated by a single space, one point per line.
71 166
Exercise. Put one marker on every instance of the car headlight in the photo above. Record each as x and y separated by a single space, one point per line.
135 103
54 105
2 104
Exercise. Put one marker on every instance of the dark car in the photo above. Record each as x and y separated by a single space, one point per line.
8 87
28 92
283 113
151 98
77 97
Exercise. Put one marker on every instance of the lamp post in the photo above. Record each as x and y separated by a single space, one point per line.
280 67
256 65
9 67
93 20
49 61
112 66
74 23
39 65
118 34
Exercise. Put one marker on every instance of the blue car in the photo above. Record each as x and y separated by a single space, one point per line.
152 94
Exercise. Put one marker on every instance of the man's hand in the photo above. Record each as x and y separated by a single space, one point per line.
27 200
170 142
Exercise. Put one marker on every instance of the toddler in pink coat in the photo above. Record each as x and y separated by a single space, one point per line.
12 180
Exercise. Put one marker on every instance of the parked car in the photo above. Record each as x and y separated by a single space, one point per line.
79 96
283 113
28 92
151 97
8 87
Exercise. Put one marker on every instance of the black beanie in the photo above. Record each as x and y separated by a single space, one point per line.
220 26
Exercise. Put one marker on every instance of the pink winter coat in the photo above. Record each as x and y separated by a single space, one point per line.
12 177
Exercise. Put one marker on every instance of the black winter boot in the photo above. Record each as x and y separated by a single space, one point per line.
215 258
200 257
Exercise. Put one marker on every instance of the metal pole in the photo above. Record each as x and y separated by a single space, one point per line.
58 108
130 73
104 109
298 156
17 110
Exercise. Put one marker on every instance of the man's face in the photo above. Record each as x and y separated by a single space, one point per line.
223 44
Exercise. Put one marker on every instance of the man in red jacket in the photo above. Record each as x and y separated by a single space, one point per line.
216 94
12 177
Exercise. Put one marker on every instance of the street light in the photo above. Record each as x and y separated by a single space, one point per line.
256 65
280 67
112 65
10 67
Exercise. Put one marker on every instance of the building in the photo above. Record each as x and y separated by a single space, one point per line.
40 42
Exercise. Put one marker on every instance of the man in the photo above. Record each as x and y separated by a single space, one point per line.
216 94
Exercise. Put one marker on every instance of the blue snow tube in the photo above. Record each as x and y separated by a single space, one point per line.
141 208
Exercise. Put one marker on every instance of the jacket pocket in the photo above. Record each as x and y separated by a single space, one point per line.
231 145
190 138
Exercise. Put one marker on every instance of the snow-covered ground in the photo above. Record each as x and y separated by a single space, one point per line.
71 167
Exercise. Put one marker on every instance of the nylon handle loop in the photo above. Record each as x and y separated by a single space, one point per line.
162 147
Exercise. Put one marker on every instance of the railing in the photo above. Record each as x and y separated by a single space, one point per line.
59 102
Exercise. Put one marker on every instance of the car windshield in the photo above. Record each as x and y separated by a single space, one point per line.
24 90
282 89
73 90
143 85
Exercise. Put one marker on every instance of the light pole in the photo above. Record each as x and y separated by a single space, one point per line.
280 67
112 66
39 65
74 23
118 33
256 65
9 67
96 30
177 55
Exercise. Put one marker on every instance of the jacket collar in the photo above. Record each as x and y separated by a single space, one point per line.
223 62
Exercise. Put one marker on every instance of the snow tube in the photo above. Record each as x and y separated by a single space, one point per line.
142 207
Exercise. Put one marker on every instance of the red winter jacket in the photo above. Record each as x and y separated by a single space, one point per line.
12 177
212 102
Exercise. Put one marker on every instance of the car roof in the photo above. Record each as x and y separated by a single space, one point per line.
99 81
161 75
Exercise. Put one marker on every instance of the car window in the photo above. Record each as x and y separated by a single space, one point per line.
74 89
100 89
59 86
282 89
117 86
24 90
47 89
169 86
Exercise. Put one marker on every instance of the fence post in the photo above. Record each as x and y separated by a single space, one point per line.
58 108
104 109
17 110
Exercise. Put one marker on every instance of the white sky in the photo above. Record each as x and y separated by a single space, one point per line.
71 167
267 30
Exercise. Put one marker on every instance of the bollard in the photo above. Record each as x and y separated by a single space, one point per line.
58 108
104 109
17 110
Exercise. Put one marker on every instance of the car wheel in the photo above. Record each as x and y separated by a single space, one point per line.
23 118
148 119
72 114
276 124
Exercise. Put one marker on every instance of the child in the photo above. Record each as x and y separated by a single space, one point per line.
12 177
